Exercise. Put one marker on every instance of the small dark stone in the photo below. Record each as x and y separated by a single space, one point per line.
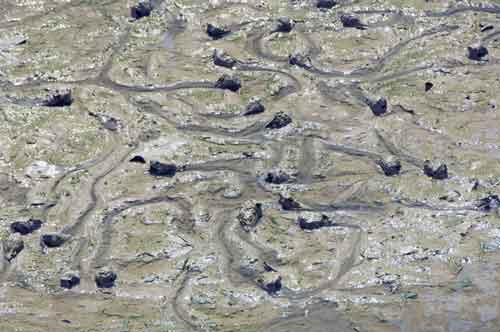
253 108
313 223
59 99
138 159
379 107
226 82
349 21
325 4
26 227
280 120
428 86
53 240
284 24
486 28
105 278
70 280
157 168
288 203
215 32
390 166
489 203
439 173
299 60
141 10
12 247
223 60
477 53
277 177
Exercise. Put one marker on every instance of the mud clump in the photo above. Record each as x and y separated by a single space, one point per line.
105 278
284 25
428 86
253 108
311 222
379 107
142 9
215 32
26 227
280 120
349 21
325 4
277 177
477 53
12 247
270 282
226 82
138 159
59 99
53 240
288 203
69 280
489 203
437 172
250 215
222 59
157 168
391 166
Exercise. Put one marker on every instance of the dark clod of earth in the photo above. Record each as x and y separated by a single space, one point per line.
59 99
138 159
226 82
390 166
325 4
349 21
105 278
70 280
438 172
489 203
142 9
379 107
157 168
284 25
215 32
26 227
280 120
277 177
253 108
288 203
52 240
477 53
428 86
313 223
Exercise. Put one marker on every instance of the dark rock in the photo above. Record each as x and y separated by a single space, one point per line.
486 28
157 168
141 10
312 222
489 203
226 82
288 203
477 53
379 107
12 247
277 177
250 214
284 24
270 282
325 4
105 278
299 60
428 86
53 240
349 21
280 120
253 108
215 32
26 227
223 60
70 280
436 172
138 159
59 99
390 166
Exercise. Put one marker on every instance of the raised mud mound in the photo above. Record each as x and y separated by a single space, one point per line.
266 165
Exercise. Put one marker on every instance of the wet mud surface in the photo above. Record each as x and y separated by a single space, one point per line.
249 166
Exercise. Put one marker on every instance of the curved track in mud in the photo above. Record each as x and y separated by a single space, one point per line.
327 157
